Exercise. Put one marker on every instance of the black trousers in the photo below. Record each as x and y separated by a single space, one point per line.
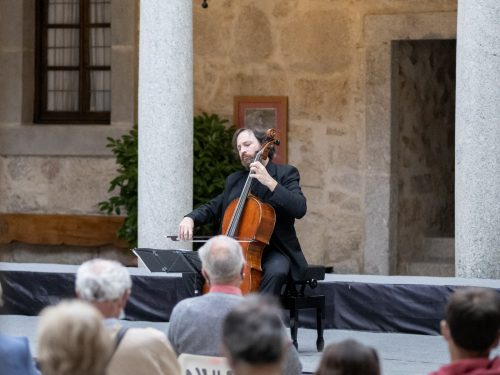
276 268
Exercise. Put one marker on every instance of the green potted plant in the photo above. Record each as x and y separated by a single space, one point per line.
125 151
213 161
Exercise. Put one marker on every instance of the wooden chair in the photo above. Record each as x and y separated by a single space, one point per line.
295 299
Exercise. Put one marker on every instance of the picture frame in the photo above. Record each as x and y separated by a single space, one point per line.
262 113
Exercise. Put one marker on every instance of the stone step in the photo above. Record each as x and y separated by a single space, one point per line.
436 268
437 248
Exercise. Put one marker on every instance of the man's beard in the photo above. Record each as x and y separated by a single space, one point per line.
247 160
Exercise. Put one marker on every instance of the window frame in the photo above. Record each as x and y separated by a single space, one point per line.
83 115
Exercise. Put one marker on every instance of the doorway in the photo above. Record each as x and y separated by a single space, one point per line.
423 156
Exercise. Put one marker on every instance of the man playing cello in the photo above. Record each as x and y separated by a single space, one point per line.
275 184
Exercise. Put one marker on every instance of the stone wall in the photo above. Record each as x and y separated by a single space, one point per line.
61 254
70 185
59 169
314 53
55 185
425 108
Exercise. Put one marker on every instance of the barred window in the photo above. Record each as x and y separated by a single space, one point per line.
73 61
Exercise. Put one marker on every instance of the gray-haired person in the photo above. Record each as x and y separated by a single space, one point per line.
196 323
107 285
254 339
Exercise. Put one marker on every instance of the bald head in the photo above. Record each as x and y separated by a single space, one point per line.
222 259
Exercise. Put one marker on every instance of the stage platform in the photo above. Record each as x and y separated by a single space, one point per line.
403 304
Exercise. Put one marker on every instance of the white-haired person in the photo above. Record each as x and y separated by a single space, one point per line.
72 340
253 338
196 323
107 285
15 354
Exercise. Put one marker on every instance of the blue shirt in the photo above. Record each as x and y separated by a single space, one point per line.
15 356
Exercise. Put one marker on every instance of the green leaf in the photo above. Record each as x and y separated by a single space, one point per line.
213 161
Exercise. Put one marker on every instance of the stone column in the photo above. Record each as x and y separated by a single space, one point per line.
477 168
165 119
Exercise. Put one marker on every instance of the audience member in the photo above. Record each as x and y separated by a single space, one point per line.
196 323
72 340
253 338
15 354
107 285
471 329
349 357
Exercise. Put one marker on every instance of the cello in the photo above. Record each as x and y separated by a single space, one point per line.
250 218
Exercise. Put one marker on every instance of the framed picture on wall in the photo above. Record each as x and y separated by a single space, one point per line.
262 113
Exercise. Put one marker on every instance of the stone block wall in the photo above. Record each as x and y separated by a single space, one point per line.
315 53
58 169
42 185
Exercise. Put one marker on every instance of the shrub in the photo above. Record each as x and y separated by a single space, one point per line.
213 161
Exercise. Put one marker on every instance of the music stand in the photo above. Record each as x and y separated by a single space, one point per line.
170 261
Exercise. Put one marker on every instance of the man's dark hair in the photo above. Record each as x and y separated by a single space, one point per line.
473 316
253 332
259 134
349 357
